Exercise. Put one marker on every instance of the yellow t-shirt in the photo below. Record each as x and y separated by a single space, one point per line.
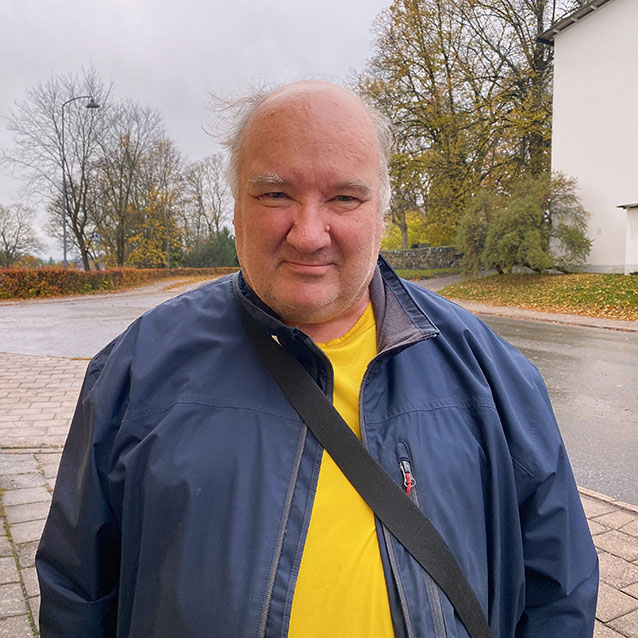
341 588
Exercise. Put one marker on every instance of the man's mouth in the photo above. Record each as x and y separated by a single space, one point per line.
308 268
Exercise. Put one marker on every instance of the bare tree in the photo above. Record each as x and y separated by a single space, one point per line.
17 237
124 148
36 124
207 198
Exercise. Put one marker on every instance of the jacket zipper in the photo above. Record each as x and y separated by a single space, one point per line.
280 540
408 478
434 598
407 474
302 444
403 605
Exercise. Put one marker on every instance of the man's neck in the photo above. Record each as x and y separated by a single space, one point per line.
335 328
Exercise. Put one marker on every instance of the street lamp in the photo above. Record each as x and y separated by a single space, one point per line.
91 104
168 252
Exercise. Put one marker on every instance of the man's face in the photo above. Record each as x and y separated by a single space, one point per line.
307 215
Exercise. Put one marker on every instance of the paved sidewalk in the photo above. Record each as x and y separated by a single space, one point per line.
37 398
549 317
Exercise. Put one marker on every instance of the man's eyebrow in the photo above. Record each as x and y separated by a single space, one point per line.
272 179
356 184
269 179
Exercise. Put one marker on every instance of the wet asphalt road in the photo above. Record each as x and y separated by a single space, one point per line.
591 374
76 326
592 378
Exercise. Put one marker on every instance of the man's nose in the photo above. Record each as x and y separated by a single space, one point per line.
310 230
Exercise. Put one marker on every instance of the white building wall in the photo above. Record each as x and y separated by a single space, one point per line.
631 245
595 123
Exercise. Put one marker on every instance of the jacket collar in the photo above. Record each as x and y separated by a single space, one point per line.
400 320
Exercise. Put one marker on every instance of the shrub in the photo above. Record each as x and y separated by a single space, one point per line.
218 250
539 223
53 282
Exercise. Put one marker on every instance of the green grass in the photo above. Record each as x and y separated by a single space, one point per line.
595 295
427 274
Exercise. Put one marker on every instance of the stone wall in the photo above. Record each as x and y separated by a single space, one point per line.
423 258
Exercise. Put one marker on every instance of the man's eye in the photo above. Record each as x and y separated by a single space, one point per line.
347 202
275 195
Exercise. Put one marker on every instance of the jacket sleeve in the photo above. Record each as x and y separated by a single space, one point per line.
79 554
561 565
560 561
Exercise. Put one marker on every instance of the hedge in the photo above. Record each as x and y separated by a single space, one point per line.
53 282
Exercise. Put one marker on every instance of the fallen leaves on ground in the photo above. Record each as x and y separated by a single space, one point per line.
596 295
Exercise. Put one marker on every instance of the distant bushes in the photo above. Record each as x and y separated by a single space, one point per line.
428 273
53 282
217 250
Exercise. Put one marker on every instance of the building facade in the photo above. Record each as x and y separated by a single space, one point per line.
595 123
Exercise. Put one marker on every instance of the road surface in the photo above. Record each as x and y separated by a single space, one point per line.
592 378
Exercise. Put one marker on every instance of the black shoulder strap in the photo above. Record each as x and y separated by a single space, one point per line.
384 496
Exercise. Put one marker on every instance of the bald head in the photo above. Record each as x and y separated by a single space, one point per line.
335 99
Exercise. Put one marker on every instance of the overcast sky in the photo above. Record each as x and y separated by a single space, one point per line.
169 55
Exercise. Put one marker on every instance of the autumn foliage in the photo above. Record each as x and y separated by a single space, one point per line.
53 282
613 296
468 87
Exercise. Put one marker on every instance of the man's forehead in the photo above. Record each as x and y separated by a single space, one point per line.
311 135
313 92
299 105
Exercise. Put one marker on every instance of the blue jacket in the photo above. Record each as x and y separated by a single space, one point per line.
185 488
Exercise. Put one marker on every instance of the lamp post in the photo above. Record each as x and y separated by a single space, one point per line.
168 253
91 104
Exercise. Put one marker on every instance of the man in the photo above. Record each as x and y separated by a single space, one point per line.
191 499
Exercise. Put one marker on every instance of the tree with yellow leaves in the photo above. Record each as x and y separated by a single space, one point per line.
157 241
467 86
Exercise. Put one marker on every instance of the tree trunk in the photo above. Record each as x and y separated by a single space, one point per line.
86 262
403 227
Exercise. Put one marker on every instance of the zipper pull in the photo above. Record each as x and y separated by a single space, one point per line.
406 471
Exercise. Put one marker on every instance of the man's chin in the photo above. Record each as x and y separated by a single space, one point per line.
316 309
305 305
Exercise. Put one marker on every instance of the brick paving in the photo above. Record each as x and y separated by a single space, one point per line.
37 399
